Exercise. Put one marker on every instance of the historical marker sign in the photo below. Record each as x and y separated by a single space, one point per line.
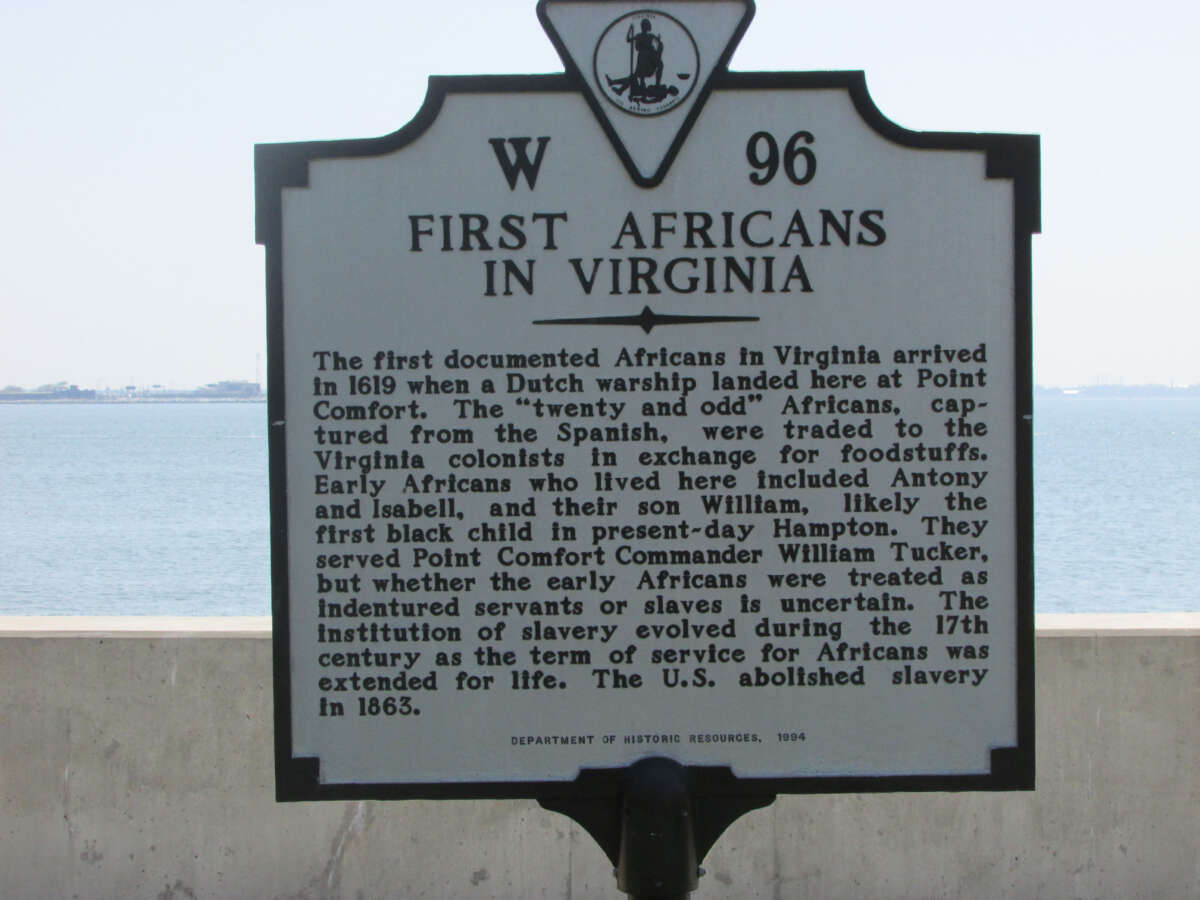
650 408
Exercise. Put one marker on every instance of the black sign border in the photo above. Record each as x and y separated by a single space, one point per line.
1008 156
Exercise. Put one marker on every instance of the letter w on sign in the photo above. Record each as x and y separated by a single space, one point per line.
518 163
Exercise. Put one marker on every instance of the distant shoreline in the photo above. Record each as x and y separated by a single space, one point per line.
62 392
1120 390
108 401
1139 391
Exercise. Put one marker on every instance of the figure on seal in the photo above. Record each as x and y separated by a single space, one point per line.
648 48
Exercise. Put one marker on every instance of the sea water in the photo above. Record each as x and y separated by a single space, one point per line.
1116 517
134 509
161 508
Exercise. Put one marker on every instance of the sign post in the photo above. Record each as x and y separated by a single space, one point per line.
650 437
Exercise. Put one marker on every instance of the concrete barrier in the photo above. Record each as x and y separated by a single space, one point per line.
135 761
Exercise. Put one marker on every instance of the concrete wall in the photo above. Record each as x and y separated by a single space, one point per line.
135 761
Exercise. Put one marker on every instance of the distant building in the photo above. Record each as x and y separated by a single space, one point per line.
230 389
60 391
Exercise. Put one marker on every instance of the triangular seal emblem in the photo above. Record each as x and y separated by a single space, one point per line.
646 68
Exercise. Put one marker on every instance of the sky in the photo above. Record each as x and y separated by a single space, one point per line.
127 251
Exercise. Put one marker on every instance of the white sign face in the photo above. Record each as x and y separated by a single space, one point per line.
569 471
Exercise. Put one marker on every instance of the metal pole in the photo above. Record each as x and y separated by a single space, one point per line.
657 857
656 820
